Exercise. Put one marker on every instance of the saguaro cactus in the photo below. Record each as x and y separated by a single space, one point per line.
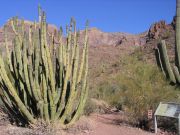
171 73
40 83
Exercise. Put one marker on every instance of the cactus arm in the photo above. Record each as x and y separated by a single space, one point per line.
178 31
13 27
176 73
83 56
67 72
25 68
46 112
158 57
7 50
83 97
33 89
45 68
74 66
64 69
7 96
14 64
165 57
60 61
18 101
39 12
61 64
30 50
84 90
18 55
36 62
50 68
80 107
64 56
73 92
51 45
12 21
49 62
43 54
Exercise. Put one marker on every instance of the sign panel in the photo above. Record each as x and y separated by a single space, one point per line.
168 110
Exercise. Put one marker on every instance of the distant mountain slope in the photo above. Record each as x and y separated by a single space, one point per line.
107 49
96 36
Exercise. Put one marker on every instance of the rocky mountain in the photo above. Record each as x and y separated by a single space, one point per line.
105 48
96 36
160 31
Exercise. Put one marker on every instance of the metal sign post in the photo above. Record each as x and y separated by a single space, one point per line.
171 110
155 124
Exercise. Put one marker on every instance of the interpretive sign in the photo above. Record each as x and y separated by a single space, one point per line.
171 110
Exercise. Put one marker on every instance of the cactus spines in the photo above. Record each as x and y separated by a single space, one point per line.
45 82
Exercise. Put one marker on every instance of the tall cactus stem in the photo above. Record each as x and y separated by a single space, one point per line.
170 73
176 74
178 31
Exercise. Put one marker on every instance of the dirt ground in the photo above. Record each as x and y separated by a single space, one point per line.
95 124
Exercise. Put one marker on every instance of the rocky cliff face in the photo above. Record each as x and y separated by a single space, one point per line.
96 36
159 30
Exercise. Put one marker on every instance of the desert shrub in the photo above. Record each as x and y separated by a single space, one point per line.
143 87
90 107
136 87
166 34
109 92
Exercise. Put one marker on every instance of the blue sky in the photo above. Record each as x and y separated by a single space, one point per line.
132 16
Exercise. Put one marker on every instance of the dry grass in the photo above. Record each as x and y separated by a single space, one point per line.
136 87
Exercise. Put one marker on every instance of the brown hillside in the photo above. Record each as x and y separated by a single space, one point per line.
107 49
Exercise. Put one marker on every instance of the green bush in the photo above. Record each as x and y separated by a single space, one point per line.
109 92
143 87
90 107
136 88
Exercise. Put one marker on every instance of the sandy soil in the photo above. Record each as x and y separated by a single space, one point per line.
96 124
110 124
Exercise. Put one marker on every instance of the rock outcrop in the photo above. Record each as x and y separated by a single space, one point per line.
160 30
97 38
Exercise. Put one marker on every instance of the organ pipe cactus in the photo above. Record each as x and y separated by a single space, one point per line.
41 83
172 73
